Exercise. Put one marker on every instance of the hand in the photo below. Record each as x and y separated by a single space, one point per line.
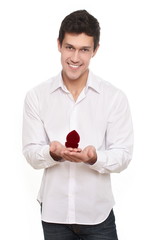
88 155
57 149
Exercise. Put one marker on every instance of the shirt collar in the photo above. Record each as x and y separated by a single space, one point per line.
92 82
56 83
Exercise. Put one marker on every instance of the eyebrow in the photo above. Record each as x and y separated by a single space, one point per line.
70 45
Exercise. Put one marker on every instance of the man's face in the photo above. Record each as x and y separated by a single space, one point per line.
76 52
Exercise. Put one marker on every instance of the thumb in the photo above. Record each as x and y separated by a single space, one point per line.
53 146
90 153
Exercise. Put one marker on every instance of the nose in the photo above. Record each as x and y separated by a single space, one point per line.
75 56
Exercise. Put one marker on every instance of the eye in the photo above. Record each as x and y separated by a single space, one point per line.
85 49
69 48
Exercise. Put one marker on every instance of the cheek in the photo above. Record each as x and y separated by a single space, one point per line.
64 57
87 60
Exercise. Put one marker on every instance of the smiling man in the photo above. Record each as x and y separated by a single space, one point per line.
75 195
76 53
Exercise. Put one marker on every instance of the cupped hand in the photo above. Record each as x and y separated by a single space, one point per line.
87 155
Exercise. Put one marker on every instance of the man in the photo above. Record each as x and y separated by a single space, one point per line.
75 194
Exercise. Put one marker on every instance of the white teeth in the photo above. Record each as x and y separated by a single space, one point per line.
73 66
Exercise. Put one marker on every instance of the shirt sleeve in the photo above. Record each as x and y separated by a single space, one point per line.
118 140
34 138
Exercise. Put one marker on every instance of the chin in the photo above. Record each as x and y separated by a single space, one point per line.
73 76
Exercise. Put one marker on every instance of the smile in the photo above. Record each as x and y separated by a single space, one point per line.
74 66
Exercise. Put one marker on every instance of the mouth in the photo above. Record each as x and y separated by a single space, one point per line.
73 66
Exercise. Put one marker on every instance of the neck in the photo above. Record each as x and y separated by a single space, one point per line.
75 86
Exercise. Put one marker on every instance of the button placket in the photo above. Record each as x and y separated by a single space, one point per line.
72 170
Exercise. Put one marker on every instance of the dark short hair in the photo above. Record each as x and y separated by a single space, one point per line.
80 22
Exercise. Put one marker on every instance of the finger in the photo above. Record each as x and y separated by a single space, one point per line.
90 153
72 156
53 148
76 150
69 149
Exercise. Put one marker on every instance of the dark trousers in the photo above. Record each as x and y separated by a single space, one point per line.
103 231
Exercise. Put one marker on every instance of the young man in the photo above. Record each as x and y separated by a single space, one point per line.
75 194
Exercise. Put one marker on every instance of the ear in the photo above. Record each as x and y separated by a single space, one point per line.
59 45
95 51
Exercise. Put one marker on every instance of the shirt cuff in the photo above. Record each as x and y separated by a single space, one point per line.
99 165
46 155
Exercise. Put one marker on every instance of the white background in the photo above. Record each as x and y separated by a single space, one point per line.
128 58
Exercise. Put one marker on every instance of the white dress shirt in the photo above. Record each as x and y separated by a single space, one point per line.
77 192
